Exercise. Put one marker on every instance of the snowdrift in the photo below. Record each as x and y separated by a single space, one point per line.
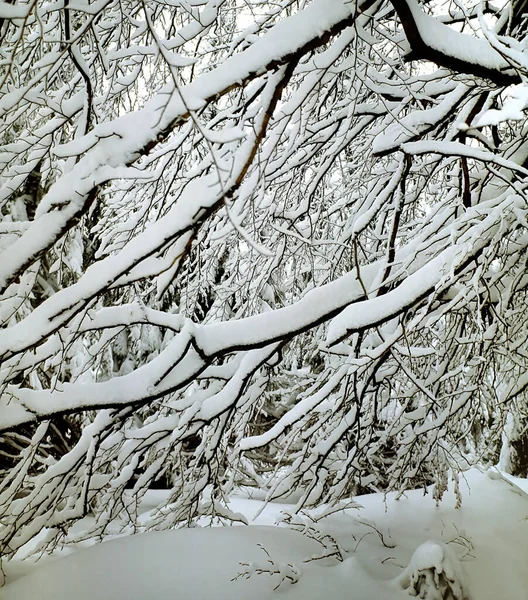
393 548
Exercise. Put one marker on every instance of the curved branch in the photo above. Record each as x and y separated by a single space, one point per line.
430 39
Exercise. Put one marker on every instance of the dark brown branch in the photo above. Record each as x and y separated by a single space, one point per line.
420 50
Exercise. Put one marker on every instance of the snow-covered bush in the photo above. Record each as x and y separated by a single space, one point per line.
434 573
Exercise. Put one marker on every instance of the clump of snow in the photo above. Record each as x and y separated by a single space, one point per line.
512 108
434 573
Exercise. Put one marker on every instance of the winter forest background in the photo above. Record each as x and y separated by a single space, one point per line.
252 245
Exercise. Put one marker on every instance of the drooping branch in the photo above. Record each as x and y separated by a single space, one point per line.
197 346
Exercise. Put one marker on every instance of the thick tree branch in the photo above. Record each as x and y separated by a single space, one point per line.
430 39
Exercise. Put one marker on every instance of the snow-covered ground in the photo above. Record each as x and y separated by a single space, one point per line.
482 547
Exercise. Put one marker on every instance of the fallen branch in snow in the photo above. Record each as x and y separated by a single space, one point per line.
331 547
380 533
287 572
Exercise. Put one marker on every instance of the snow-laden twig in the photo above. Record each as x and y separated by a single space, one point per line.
286 572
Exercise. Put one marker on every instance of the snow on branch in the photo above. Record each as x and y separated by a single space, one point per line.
121 142
254 248
430 39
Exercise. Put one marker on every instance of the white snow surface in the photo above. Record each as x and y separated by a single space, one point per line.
8 11
386 543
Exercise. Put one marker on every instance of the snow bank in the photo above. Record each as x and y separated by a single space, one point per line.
394 547
187 563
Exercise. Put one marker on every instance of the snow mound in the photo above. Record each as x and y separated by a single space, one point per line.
222 563
479 552
187 563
